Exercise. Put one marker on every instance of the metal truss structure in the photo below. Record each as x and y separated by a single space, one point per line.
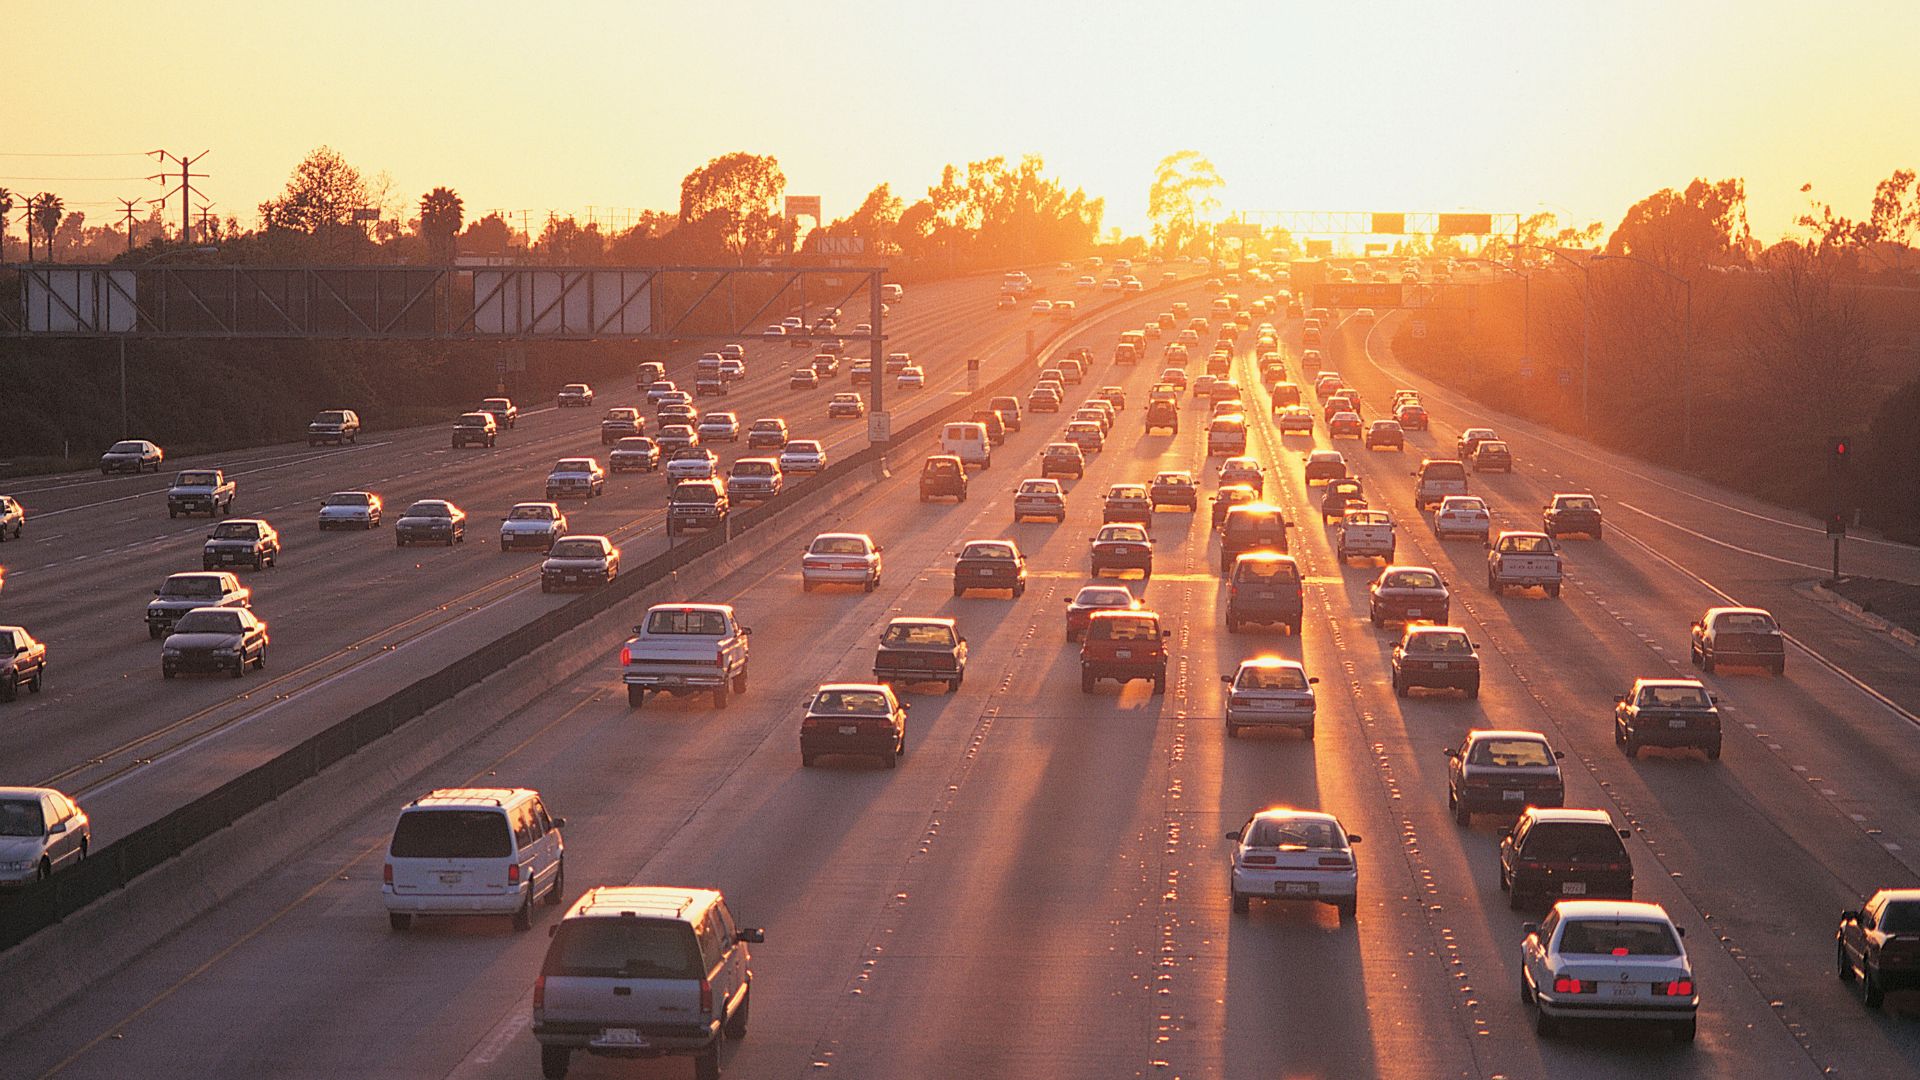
1368 223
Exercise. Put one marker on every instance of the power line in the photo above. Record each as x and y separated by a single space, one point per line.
185 189
121 153
75 179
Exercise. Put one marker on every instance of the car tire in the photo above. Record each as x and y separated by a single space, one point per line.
1473 692
1706 662
1693 655
1843 967
706 1064
1872 994
1505 885
1685 1030
953 686
1233 730
720 697
959 591
1349 910
1233 625
636 696
1159 685
1596 534
260 662
1020 590
523 916
1461 814
399 921
1543 1025
1553 591
1713 752
1399 687
1631 747
153 632
870 583
1780 666
239 666
736 1026
557 892
1086 682
1242 903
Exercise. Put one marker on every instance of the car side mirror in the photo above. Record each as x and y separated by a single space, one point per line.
637 628
1228 679
1849 916
1681 930
1625 834
156 592
1166 634
1450 752
753 935
1530 928
56 828
1620 699
746 631
1559 755
1353 838
1234 835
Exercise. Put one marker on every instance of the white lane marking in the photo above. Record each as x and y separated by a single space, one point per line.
1722 543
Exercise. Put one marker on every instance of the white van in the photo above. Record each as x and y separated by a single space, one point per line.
968 441
474 851
891 293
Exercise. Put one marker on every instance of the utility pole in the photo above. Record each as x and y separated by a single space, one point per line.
206 215
185 189
126 209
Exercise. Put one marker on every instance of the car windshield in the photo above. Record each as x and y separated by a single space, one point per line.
1745 623
348 498
194 587
687 621
986 551
576 549
624 948
1663 697
127 448
1510 753
532 513
1275 677
21 817
1294 834
635 442
194 479
803 446
208 622
839 545
1453 644
1618 937
235 530
1901 917
694 493
850 703
1527 545
753 468
1125 628
918 634
1412 579
429 510
451 834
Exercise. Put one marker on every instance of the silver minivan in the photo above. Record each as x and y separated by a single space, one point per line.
474 851
643 971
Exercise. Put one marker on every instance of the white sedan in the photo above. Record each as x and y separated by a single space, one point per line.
803 456
1607 960
1299 855
841 559
1462 515
911 377
1269 692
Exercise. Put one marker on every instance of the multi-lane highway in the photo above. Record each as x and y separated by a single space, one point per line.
1040 887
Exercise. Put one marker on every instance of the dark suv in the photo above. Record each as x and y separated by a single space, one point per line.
1554 854
696 504
943 476
1254 527
1264 587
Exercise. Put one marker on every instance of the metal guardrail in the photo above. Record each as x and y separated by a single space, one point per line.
43 904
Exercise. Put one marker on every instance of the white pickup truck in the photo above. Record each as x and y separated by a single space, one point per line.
1364 534
1523 560
686 649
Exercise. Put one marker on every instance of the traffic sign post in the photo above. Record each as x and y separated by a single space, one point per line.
1837 529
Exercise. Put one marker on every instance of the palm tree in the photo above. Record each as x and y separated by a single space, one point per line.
46 210
441 214
6 207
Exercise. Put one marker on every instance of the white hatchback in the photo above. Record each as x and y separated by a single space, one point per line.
1295 855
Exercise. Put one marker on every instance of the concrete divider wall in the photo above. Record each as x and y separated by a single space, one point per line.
116 866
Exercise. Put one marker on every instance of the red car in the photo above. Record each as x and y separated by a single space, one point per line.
1123 646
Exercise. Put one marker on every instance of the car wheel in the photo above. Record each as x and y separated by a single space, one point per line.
1526 992
1713 752
1349 910
1233 625
1596 534
959 591
870 583
1378 622
1233 730
636 696
1242 903
1473 692
720 697
523 918
557 891
1399 686
953 686
737 1023
1706 662
400 921
1871 992
1631 746
1461 814
1780 666
1684 1030
1843 967
1544 1025
706 1064
1086 682
260 662
1159 685
1504 883
239 666
1553 591
1693 655
1020 590
153 632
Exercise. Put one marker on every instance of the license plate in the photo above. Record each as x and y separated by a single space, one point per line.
849 729
1573 888
1623 991
570 578
984 573
1267 594
1413 611
451 878
1514 796
1123 654
1676 723
1294 888
620 1037
1438 665
671 680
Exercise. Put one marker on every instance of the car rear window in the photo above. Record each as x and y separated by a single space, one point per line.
1412 579
576 549
918 634
1271 678
1745 624
850 703
1293 834
1618 937
1662 697
624 948
1267 570
839 545
1443 470
1125 629
703 623
1577 841
1510 753
452 834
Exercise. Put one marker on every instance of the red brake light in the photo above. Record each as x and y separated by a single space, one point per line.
1680 988
540 992
386 874
1619 950
706 997
513 873
1564 985
626 655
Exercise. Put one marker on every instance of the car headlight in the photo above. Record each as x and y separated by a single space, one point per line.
225 652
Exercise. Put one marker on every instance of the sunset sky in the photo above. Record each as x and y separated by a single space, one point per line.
1500 107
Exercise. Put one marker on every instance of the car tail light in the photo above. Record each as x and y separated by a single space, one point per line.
1528 864
386 874
719 656
1259 860
706 998
513 873
1336 861
626 655
1676 988
540 992
1564 985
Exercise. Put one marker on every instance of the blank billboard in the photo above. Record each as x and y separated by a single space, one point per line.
79 301
562 303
